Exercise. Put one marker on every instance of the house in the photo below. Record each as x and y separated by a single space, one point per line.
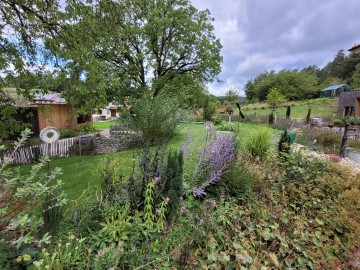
355 48
109 112
349 104
335 90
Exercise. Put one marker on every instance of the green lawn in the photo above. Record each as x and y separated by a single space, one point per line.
105 124
319 108
81 174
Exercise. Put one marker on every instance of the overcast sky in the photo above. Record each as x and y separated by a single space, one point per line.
260 35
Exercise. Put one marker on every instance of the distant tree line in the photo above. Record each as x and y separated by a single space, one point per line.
308 82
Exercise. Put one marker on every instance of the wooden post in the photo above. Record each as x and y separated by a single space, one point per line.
345 138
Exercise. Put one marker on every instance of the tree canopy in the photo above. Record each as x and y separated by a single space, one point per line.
107 48
293 84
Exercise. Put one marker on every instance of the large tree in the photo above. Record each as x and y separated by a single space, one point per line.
142 46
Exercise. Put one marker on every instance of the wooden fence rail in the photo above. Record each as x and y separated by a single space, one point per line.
32 153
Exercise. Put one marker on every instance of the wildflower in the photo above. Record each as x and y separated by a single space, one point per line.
111 268
212 203
38 263
167 200
101 253
158 212
183 208
157 179
181 198
199 192
201 221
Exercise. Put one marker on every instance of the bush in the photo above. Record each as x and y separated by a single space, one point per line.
209 110
67 133
85 127
337 122
259 144
218 121
284 145
156 118
227 126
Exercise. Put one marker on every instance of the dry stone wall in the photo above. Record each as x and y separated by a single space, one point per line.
116 143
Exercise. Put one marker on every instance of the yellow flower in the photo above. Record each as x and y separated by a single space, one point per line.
27 257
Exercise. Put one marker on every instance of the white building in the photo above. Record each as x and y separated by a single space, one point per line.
107 113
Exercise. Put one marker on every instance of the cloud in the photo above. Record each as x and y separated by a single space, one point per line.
263 35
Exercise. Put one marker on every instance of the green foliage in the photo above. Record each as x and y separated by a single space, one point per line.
293 84
209 109
24 218
67 133
355 79
284 145
85 127
327 140
259 144
227 126
275 98
173 186
156 118
218 121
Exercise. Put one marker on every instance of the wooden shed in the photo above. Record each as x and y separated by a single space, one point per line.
54 111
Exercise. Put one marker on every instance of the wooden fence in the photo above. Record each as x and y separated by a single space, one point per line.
32 153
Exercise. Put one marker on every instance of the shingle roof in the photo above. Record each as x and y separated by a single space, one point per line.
51 97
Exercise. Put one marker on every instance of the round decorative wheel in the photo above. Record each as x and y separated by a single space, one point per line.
49 135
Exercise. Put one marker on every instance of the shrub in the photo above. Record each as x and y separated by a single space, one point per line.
227 126
326 138
337 122
259 144
156 118
284 145
85 127
218 121
173 181
209 110
67 133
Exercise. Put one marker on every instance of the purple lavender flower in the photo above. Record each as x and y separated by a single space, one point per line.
182 208
158 212
214 160
157 179
199 192
201 221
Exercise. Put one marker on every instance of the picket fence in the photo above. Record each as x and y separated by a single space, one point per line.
32 153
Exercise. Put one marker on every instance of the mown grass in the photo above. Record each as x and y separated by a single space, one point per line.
81 174
105 124
319 108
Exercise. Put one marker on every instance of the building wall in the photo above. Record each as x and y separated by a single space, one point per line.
56 115
349 99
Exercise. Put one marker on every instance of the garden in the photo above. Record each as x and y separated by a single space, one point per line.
189 196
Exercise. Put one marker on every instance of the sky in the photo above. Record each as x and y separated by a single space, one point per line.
259 35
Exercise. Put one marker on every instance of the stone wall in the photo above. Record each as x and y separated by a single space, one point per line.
114 144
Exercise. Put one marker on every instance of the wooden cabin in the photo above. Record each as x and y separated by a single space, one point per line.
54 111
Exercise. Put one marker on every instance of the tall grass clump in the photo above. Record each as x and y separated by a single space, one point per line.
259 144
